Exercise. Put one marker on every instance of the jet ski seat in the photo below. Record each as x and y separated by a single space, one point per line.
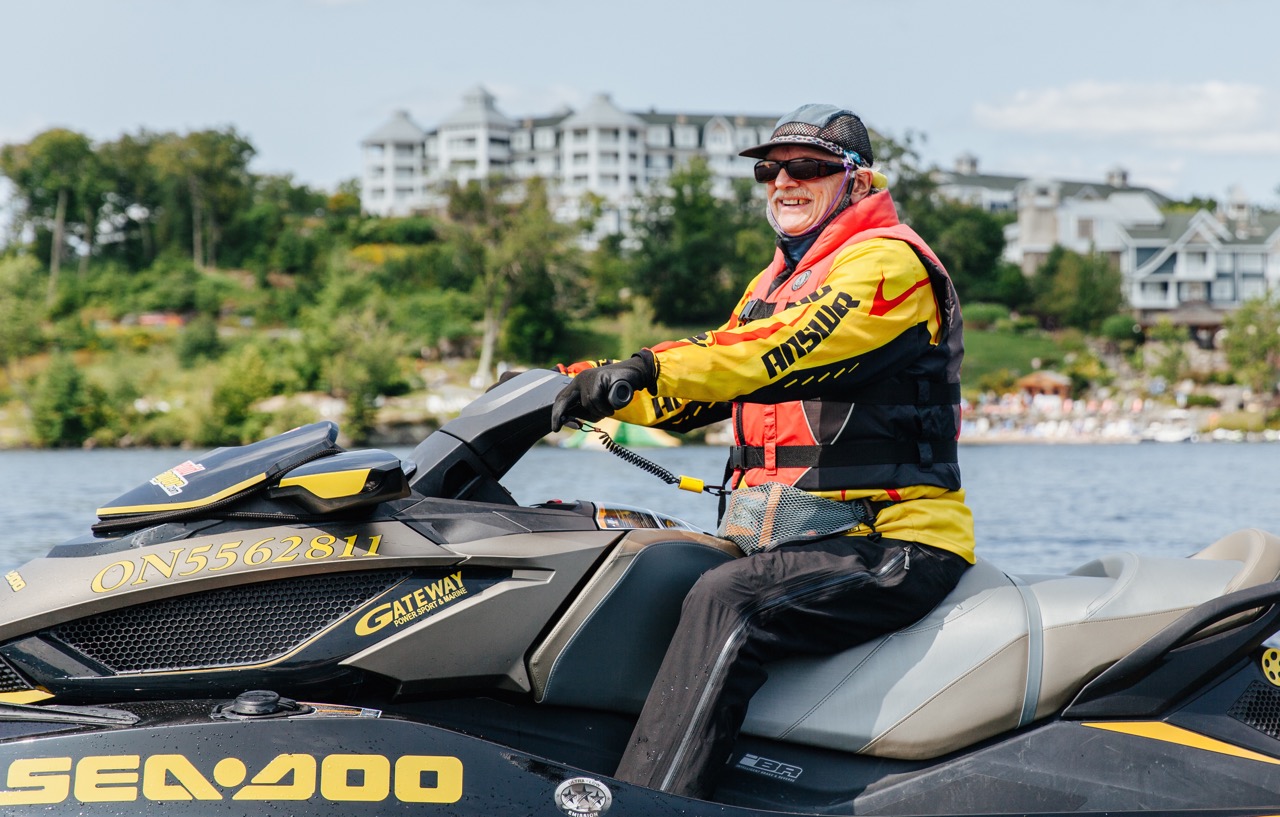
997 653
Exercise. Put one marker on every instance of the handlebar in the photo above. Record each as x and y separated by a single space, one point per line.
620 394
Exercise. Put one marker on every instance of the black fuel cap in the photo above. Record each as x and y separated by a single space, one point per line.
256 702
260 703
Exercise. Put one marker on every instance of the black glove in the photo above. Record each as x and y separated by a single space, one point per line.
587 395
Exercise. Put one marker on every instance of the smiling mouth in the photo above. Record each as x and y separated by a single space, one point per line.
793 202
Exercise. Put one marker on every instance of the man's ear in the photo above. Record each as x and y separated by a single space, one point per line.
861 184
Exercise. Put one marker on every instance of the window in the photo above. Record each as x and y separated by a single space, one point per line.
580 179
579 159
462 142
375 150
609 136
1252 288
1193 291
579 135
1224 289
1250 261
376 192
377 172
544 138
404 173
521 140
404 192
609 159
1084 229
609 180
403 150
658 136
686 136
1225 262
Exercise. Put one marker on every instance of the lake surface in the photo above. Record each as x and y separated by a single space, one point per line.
1038 508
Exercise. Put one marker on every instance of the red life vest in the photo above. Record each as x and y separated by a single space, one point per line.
897 431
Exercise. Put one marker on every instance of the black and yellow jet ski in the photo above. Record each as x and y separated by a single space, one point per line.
289 627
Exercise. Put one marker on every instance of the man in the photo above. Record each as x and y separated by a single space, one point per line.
840 367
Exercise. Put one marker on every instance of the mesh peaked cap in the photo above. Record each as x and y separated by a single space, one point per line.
825 127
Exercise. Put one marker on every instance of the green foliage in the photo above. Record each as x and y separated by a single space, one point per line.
693 258
20 334
362 366
1165 355
65 407
1076 290
242 379
198 341
506 236
1122 331
969 242
411 230
984 316
1252 343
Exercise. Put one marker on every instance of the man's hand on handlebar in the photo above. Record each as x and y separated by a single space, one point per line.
600 391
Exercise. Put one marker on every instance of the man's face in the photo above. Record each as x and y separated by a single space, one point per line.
799 205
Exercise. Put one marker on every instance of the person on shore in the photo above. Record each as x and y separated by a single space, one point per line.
840 367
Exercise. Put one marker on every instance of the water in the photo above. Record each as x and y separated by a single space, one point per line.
1038 508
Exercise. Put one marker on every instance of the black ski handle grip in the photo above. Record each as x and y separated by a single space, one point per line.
620 394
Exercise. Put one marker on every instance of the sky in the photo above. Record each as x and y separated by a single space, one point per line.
1183 94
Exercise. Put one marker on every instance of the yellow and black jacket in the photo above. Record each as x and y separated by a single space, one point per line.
842 377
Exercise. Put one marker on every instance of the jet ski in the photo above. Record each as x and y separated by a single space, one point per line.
290 627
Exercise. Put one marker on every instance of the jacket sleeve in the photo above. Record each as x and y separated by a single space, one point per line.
873 316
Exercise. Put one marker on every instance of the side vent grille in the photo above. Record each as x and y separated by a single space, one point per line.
10 680
1259 707
223 628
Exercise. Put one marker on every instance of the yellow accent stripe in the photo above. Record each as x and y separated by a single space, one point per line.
30 696
181 506
333 485
1184 737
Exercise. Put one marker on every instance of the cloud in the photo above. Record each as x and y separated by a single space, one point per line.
1214 117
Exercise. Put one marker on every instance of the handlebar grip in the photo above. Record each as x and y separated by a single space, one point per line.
620 394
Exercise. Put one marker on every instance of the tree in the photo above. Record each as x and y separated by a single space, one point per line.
1076 290
509 240
1252 343
688 248
65 409
57 177
19 321
208 171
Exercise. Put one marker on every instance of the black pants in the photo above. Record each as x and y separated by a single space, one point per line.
816 598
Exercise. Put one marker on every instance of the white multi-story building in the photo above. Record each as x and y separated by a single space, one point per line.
602 150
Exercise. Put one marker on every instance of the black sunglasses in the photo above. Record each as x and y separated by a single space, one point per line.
799 169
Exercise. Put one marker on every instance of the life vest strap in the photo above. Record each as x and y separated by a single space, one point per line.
837 455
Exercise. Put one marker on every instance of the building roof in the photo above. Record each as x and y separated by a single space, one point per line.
1068 189
477 109
601 112
399 128
655 117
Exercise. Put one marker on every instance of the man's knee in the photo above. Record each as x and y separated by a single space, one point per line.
730 585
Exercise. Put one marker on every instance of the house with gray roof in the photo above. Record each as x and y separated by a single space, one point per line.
1189 267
